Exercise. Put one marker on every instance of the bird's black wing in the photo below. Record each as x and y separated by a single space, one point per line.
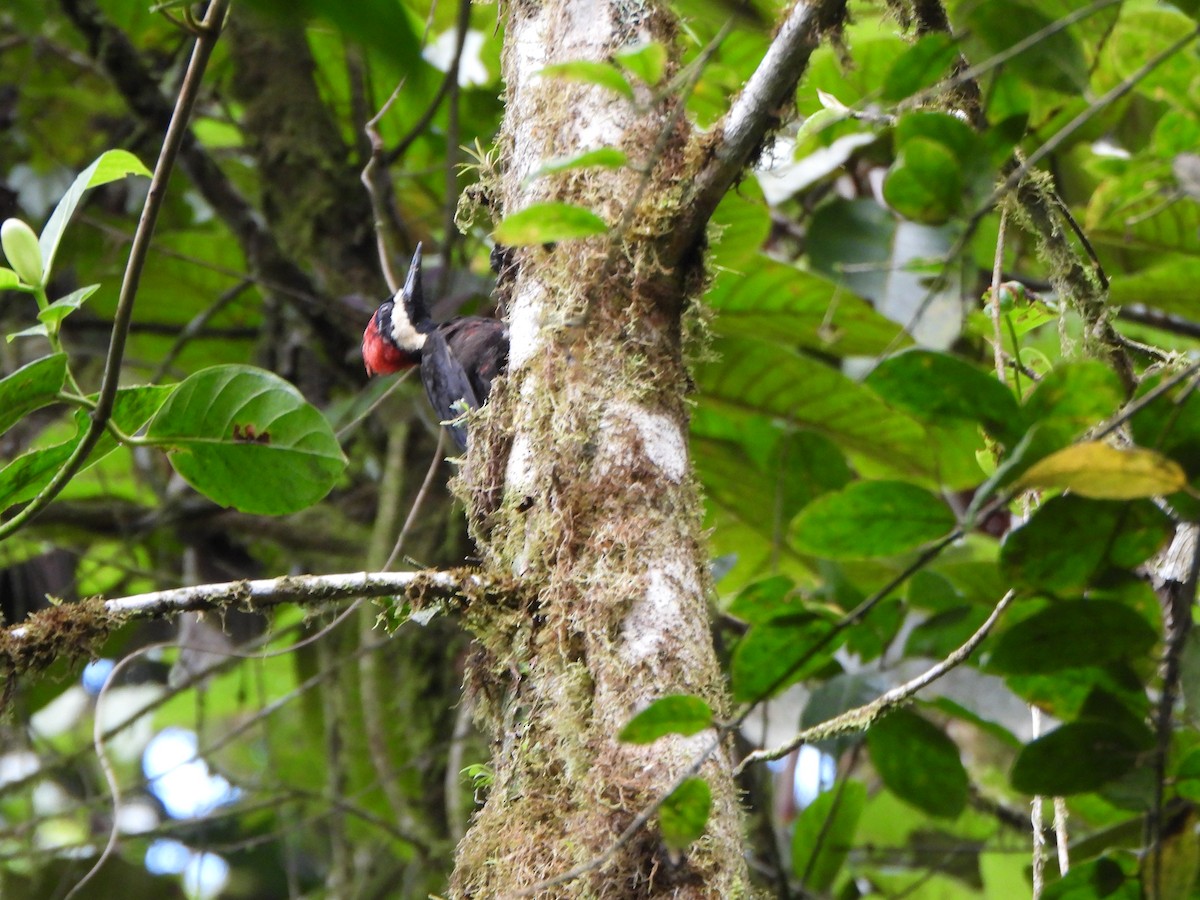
446 383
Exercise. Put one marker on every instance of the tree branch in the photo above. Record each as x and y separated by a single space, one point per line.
75 629
861 718
755 112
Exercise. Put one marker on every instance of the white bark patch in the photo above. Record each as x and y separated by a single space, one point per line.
519 474
656 619
524 324
662 439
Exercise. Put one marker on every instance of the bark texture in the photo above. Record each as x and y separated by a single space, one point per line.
579 482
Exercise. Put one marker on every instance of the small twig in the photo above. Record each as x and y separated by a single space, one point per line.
862 717
997 266
1036 821
426 485
110 775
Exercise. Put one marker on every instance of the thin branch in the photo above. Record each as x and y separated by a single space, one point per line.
206 40
860 719
754 112
267 592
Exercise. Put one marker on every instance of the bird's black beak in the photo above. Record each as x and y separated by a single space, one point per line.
412 283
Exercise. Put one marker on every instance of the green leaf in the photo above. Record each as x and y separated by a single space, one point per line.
676 714
1073 759
382 24
923 65
601 157
684 814
546 223
778 653
777 302
764 600
824 833
647 61
1070 633
38 330
605 75
1099 878
246 438
31 387
925 183
1071 539
53 314
737 231
110 166
24 477
918 763
937 386
872 518
1055 61
761 379
1164 285
949 131
8 279
1098 470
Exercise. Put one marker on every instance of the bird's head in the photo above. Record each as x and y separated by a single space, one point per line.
395 335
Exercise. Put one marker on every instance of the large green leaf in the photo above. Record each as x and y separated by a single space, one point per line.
1071 633
824 833
780 652
872 518
1055 61
924 64
780 303
757 378
247 439
925 183
1071 539
938 386
1075 758
918 763
31 387
749 507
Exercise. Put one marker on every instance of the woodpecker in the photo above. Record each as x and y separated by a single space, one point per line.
458 359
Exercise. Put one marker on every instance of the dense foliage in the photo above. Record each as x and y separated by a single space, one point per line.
946 356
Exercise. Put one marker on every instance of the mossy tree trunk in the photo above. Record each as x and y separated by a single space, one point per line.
579 482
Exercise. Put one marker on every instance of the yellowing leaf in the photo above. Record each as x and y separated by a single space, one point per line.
1104 472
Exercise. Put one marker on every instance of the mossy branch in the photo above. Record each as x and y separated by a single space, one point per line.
77 629
861 718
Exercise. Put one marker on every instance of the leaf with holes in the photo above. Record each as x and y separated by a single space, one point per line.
246 438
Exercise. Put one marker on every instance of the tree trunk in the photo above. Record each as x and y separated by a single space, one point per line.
579 482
